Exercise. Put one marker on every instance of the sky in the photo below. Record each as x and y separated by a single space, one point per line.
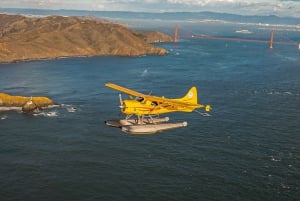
244 7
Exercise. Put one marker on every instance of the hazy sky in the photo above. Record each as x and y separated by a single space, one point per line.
245 7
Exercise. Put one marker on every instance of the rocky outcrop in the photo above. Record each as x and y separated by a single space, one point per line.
30 38
28 104
153 36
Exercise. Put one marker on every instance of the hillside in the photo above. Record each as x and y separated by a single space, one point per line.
30 38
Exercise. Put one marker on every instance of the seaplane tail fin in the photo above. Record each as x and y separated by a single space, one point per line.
191 96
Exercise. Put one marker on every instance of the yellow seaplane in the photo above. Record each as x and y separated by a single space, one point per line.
145 106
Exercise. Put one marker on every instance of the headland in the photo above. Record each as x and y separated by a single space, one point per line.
33 38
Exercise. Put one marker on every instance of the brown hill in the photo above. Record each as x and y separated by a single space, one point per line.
30 38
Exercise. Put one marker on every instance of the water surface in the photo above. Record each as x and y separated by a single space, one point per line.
248 149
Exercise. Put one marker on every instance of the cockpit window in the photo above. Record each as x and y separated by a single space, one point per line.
140 99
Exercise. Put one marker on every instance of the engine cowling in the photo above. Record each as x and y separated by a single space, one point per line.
133 107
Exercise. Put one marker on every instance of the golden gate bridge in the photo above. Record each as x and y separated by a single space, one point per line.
271 42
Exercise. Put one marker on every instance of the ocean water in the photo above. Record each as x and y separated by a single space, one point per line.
248 149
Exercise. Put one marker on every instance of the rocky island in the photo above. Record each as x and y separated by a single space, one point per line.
31 38
26 104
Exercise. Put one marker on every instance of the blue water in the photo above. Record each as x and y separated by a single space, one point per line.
248 149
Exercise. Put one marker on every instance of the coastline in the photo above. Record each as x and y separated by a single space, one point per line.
65 57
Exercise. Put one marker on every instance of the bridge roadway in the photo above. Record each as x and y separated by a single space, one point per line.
240 39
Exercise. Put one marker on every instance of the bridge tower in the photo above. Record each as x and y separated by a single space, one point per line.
272 39
176 34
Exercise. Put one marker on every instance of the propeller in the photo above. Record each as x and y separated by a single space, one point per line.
121 101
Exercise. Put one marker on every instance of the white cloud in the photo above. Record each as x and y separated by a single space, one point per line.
245 7
100 6
202 2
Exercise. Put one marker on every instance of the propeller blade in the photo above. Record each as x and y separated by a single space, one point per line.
121 101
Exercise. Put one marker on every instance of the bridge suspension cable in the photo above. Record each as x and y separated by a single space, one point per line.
271 41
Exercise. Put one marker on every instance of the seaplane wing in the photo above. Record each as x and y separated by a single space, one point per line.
125 90
182 104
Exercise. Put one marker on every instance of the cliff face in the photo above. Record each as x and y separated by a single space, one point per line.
23 38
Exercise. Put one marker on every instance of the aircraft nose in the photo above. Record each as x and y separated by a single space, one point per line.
123 106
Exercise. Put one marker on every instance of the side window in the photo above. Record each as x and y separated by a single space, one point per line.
154 103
